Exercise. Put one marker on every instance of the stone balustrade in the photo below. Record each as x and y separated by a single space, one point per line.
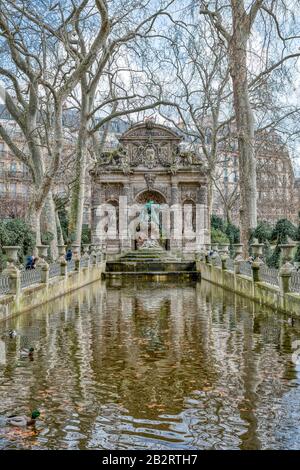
278 288
15 282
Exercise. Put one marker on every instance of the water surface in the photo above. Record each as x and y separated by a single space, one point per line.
151 366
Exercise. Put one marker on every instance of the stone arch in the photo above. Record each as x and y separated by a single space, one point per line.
150 194
115 203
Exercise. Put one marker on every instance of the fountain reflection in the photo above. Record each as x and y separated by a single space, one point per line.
152 366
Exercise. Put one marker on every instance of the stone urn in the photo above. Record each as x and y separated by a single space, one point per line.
257 250
12 253
223 248
215 247
86 248
43 251
287 253
76 250
61 250
238 250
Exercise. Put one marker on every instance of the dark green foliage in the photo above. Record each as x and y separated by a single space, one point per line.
273 260
263 232
16 232
233 233
86 234
283 230
217 223
64 221
217 236
46 239
223 232
297 254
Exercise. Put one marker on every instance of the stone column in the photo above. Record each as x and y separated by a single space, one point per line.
175 243
202 232
95 202
124 236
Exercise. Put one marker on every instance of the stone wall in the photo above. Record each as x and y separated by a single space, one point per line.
261 292
39 294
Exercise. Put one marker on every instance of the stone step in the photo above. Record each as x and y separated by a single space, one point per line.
153 266
149 274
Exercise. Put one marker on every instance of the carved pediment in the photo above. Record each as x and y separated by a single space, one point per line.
148 145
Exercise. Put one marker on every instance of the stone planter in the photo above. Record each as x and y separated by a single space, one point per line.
43 251
238 250
86 248
12 253
257 250
223 248
61 250
76 255
76 249
287 252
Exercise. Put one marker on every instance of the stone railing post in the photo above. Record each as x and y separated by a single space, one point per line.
42 263
285 274
257 253
99 254
62 260
86 254
287 268
93 255
12 271
224 254
76 255
206 252
238 257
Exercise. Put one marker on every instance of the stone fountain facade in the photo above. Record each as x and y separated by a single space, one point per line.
148 165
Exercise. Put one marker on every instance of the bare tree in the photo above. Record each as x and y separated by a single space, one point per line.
32 43
235 22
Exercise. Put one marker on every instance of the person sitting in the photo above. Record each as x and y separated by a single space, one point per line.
30 264
69 255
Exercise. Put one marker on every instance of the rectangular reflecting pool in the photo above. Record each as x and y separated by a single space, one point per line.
151 366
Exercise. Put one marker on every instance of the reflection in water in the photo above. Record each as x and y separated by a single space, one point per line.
151 366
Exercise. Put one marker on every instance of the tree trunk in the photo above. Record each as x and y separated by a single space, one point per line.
210 201
244 123
78 190
60 237
48 223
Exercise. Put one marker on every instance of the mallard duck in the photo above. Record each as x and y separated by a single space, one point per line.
27 352
12 333
15 420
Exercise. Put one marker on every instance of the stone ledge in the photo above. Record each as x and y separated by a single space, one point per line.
38 294
260 292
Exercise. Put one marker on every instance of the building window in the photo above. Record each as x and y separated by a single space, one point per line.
13 167
2 188
2 147
13 189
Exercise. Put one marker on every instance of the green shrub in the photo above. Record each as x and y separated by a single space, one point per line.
16 232
86 234
217 236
